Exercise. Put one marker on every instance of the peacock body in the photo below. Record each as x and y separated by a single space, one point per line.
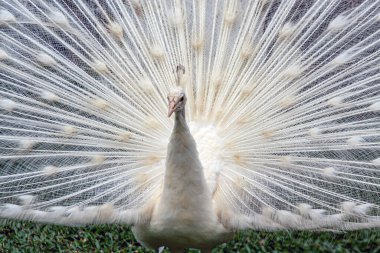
275 119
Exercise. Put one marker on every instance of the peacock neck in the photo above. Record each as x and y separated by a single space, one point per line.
183 167
180 124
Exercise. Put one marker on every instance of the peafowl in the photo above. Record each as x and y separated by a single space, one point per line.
191 119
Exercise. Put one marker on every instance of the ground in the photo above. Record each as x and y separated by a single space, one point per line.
30 237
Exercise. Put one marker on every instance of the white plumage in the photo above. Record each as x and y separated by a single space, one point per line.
276 121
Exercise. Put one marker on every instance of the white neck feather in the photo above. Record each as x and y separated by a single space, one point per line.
182 162
184 173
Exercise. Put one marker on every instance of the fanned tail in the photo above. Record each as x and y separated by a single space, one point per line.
283 101
81 105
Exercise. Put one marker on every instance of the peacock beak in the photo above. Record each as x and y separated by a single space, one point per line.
172 107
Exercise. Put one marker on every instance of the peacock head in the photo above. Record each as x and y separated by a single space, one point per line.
177 97
177 100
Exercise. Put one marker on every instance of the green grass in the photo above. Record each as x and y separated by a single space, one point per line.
30 237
